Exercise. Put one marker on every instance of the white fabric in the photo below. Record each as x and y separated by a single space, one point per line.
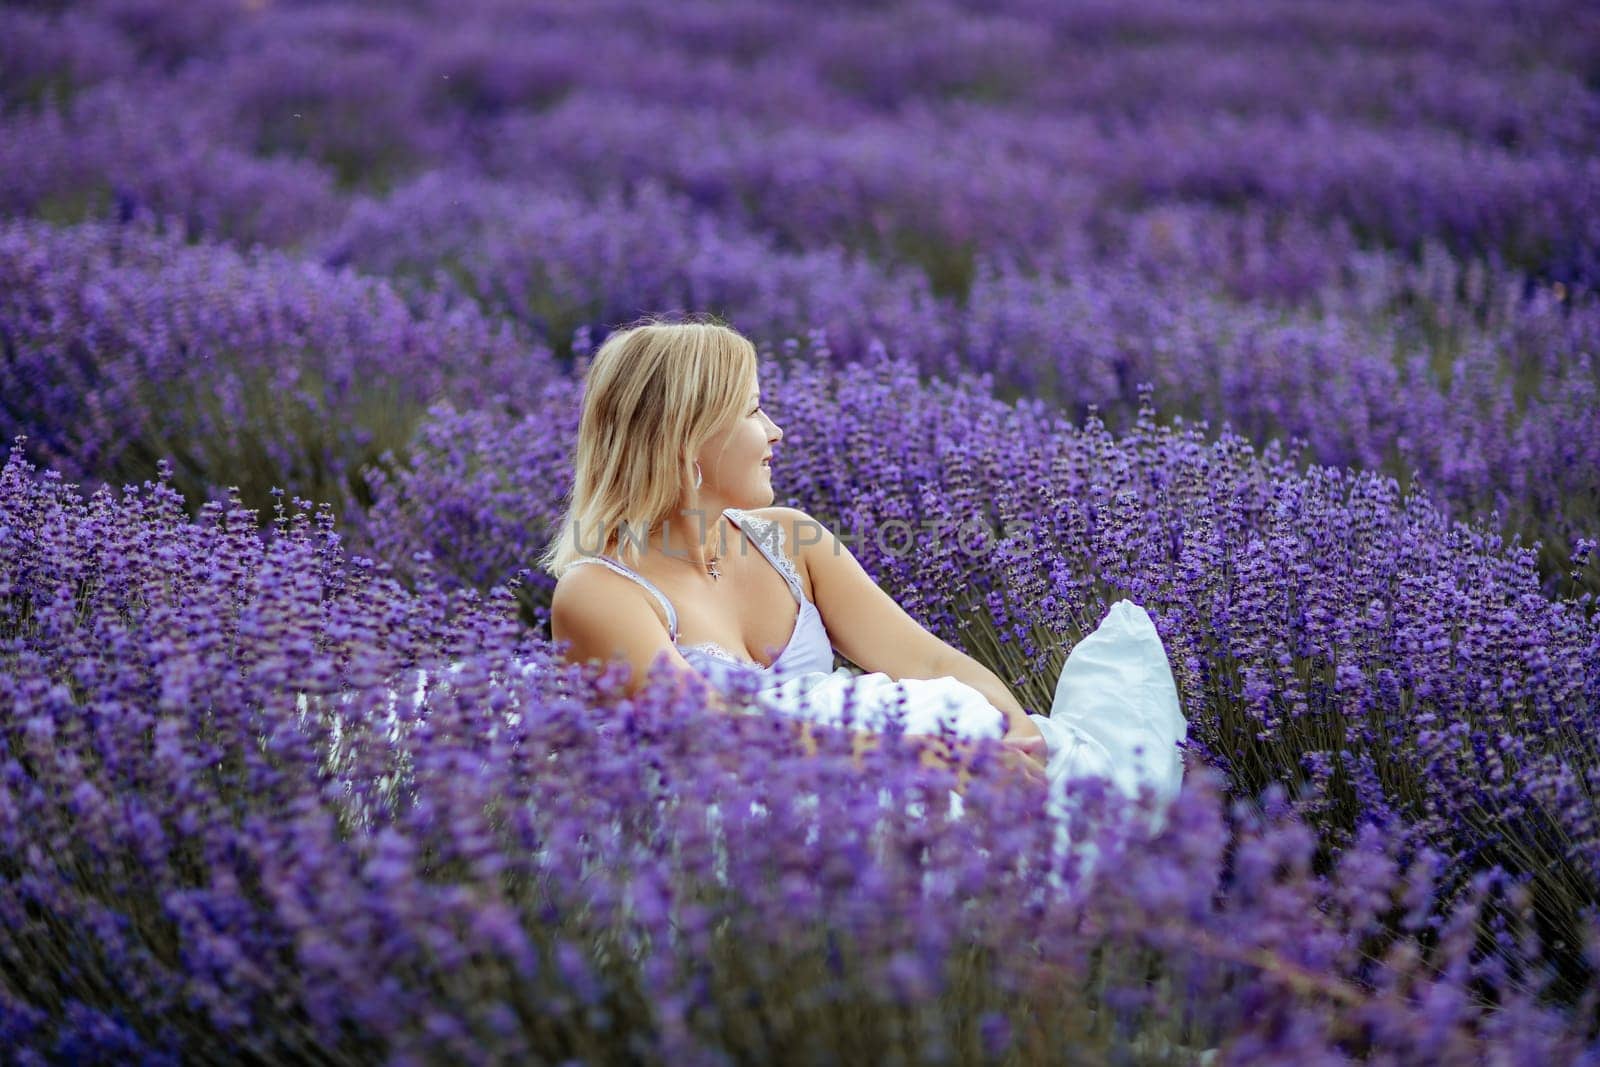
877 701
1115 713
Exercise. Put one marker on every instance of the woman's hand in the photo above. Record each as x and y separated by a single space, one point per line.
1016 758
1019 758
1032 745
1025 757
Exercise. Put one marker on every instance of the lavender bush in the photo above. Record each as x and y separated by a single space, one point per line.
123 347
256 796
115 153
47 60
1295 109
563 266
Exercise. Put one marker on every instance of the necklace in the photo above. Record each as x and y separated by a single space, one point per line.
712 561
711 565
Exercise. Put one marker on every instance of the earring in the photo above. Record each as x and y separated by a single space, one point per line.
697 476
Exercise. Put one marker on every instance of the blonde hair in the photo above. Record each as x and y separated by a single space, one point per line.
654 394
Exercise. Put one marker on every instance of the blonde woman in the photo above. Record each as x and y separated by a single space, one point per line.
672 557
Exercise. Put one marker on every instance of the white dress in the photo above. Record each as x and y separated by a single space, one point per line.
1114 716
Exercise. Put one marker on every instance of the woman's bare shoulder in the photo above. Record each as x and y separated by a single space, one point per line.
604 616
591 601
579 583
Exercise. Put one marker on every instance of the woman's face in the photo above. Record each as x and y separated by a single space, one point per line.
736 462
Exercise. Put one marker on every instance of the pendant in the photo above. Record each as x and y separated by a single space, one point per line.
711 569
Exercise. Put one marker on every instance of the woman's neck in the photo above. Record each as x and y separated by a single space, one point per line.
698 534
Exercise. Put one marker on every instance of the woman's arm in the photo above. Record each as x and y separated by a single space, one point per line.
875 633
605 617
936 753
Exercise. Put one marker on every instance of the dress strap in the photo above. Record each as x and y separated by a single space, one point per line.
626 572
768 537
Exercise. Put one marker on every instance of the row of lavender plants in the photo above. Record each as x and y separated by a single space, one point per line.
382 92
257 795
124 348
1371 228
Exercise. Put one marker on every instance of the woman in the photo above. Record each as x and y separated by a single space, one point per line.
671 557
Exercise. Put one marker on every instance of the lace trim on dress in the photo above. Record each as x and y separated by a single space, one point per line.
718 651
769 538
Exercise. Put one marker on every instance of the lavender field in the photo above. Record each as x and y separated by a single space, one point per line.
1281 318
